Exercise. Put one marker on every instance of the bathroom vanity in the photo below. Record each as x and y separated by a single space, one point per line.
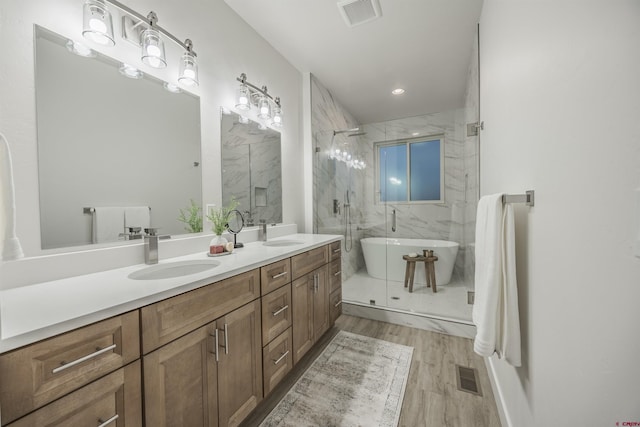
198 349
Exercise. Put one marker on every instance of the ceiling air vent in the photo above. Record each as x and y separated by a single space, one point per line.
356 12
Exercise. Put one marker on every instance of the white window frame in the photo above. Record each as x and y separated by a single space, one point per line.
407 142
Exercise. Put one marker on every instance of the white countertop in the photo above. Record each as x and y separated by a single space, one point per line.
35 312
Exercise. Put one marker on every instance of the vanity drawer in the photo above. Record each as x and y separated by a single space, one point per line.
277 360
35 375
172 318
274 275
335 307
335 275
276 313
335 250
116 398
308 261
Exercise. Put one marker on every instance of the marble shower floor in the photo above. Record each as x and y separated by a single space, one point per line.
450 302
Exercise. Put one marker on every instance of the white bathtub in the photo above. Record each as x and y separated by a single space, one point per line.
383 257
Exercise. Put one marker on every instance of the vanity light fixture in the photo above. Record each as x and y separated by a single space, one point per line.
152 45
188 74
130 71
141 31
172 88
249 95
97 24
80 49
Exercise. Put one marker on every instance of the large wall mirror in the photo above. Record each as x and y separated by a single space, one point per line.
109 141
251 168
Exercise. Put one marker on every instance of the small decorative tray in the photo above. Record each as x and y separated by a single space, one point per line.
220 254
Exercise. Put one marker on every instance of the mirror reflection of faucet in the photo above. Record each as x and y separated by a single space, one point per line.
131 233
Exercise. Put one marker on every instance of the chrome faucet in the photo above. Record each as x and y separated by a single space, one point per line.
151 245
262 230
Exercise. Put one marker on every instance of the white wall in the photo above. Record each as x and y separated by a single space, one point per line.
560 98
226 47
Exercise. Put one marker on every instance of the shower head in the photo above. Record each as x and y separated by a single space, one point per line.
336 132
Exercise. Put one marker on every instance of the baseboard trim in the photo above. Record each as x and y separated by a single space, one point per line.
498 395
449 327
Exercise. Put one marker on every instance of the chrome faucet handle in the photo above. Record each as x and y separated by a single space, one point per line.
151 231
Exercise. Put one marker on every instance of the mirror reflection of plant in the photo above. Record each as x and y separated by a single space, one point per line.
192 217
220 217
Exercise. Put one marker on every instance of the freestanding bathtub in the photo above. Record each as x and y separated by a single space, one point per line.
383 258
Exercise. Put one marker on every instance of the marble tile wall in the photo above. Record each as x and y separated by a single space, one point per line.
452 220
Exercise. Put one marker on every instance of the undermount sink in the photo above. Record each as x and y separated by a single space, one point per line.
283 242
173 269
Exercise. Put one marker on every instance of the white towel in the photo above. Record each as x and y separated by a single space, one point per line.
9 243
108 223
137 216
495 311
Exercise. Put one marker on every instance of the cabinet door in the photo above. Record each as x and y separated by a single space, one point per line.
240 365
321 302
113 400
180 382
302 300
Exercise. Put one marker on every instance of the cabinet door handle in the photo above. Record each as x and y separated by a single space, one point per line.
98 352
275 313
279 359
109 421
277 276
315 283
226 339
338 303
337 273
215 343
335 251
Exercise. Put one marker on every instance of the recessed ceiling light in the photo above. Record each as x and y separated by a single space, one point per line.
415 134
398 91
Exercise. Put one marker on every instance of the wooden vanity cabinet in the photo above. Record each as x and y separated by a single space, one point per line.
310 299
35 375
211 376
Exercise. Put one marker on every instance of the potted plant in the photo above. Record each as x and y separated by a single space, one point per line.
220 218
192 217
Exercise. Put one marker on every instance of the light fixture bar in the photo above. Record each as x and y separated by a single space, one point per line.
149 22
243 79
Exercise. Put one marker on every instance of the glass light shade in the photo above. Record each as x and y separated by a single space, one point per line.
130 72
276 121
242 98
152 48
80 49
97 23
188 72
264 109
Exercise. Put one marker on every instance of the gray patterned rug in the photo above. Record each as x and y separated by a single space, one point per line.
356 381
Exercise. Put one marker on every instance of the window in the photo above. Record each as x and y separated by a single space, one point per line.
411 171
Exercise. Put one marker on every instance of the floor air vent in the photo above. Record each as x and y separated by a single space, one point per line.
467 380
356 12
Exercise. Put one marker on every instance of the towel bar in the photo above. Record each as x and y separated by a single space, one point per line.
92 210
527 198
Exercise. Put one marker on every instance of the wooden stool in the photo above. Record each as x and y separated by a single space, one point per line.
411 269
430 268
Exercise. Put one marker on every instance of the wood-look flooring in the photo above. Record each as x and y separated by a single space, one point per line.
431 398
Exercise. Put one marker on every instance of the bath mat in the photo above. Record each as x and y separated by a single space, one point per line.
356 381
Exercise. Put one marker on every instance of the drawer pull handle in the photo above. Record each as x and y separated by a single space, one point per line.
338 303
109 421
279 359
275 313
277 276
337 273
335 251
98 352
